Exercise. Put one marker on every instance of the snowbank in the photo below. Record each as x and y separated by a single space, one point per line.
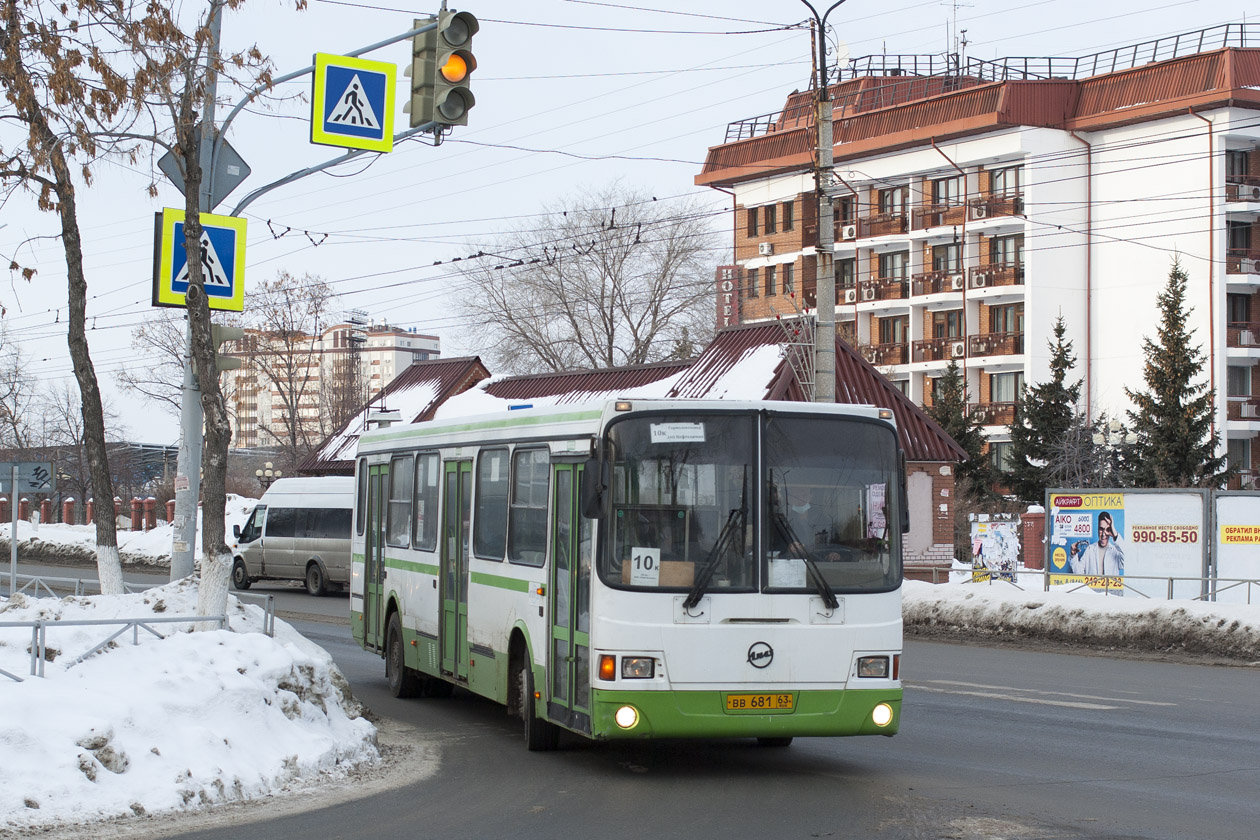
192 719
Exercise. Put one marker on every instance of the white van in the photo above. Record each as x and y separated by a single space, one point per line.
300 530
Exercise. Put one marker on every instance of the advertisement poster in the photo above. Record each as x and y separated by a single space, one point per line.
1087 540
994 550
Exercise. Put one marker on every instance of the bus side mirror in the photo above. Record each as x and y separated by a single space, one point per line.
593 491
236 531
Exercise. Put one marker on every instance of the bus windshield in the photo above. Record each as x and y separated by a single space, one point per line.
688 511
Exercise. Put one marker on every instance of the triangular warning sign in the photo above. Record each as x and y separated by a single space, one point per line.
211 266
354 108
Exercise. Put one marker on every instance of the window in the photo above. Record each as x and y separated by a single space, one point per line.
947 324
282 522
789 282
947 257
425 520
770 271
892 266
1239 236
846 273
771 220
892 330
527 520
491 507
361 501
842 209
328 523
1236 164
1007 181
947 190
789 211
1239 454
1239 381
1007 250
752 221
254 525
1005 387
892 200
1000 455
398 514
1238 309
753 291
1007 319
902 385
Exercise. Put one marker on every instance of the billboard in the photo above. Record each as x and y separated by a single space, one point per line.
1237 550
1143 541
994 550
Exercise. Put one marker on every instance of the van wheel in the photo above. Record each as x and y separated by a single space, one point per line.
540 735
315 583
240 576
403 681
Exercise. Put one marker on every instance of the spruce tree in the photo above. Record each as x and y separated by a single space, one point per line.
949 410
1043 415
1172 418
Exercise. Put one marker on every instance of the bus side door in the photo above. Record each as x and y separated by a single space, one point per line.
570 654
456 506
374 558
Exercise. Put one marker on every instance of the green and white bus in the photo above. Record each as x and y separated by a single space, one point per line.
640 568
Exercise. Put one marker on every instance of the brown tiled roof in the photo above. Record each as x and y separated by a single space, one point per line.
857 382
579 386
421 388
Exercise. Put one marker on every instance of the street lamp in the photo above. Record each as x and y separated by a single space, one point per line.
266 476
1117 440
825 302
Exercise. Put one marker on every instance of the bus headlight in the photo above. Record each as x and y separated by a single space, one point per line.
638 667
873 666
882 715
626 717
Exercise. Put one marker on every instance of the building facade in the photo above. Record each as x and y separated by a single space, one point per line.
976 202
325 378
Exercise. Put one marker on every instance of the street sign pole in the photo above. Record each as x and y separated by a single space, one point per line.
13 503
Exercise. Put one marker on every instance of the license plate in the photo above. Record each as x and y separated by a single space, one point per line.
760 702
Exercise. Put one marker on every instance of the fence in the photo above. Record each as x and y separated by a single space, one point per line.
1028 579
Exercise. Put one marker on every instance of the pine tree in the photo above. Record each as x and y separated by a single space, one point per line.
1176 446
1043 415
949 410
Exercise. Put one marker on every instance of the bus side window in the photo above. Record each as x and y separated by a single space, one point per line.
527 518
425 517
361 496
490 509
398 514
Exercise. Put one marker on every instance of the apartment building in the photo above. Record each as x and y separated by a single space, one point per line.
977 201
329 377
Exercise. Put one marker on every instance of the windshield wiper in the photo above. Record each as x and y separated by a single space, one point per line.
811 564
734 524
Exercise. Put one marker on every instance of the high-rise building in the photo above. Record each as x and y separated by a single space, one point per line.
977 201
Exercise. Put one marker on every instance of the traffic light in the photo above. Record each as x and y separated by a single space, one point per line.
441 66
220 334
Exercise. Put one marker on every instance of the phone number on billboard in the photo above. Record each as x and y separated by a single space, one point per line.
1168 534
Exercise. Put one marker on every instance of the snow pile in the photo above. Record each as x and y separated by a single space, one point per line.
1081 616
78 542
193 719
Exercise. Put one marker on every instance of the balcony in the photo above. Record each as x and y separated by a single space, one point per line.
1243 408
939 349
881 224
1242 188
885 354
1000 204
993 413
1242 334
1244 480
995 274
1242 261
996 344
936 215
937 282
883 288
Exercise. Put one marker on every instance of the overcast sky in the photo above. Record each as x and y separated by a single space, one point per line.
570 94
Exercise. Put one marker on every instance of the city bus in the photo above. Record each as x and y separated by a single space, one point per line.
640 568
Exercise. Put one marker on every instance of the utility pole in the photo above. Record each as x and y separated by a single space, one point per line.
825 334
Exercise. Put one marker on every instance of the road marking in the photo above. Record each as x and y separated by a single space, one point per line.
1041 701
1041 693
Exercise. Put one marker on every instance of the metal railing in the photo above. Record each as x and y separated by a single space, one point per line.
1024 579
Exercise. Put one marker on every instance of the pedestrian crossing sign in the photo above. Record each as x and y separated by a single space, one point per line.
222 260
352 103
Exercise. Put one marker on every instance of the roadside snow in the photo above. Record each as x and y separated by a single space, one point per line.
189 720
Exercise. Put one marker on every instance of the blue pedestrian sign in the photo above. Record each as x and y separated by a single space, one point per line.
222 261
352 103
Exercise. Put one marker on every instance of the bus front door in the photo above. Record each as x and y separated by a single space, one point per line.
570 655
374 558
456 504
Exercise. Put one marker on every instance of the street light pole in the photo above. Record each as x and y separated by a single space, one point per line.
825 334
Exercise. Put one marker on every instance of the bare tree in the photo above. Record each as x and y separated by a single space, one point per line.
161 344
609 277
17 397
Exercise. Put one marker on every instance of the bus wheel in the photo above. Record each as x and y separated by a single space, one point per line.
403 682
540 735
315 583
774 742
240 576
